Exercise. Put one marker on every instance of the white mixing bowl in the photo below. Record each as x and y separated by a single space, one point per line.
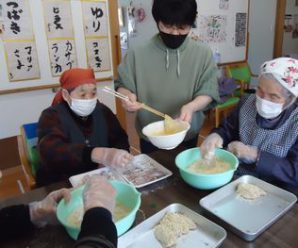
167 142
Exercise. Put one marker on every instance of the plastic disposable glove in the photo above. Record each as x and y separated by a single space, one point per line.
247 154
208 146
131 104
116 158
186 112
44 212
98 192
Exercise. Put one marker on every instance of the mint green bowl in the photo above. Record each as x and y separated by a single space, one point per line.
127 195
205 181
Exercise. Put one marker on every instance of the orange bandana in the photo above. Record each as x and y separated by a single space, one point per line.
73 78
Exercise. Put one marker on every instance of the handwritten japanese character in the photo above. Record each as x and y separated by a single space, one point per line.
20 65
58 68
57 18
15 28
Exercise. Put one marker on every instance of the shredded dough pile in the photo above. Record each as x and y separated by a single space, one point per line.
213 166
171 126
171 227
249 191
76 217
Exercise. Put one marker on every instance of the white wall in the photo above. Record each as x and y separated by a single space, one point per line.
20 108
148 28
290 45
261 32
17 109
261 29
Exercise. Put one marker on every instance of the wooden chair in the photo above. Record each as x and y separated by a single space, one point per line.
223 109
243 74
27 151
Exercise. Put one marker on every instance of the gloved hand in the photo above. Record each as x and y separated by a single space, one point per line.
247 154
98 192
186 112
111 156
130 105
208 146
44 212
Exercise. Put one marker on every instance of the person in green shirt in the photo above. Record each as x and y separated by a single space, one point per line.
171 72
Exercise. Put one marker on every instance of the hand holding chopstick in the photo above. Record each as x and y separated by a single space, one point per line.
129 100
126 98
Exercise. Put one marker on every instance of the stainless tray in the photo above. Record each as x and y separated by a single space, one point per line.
142 171
208 234
248 218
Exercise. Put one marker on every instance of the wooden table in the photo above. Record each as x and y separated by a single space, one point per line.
155 197
13 182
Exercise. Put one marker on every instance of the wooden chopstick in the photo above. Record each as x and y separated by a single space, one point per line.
152 110
124 97
115 93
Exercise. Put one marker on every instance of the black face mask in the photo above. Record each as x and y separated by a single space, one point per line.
171 40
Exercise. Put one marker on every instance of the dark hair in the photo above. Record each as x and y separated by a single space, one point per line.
175 12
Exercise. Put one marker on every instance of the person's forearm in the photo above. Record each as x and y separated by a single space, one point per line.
200 102
94 235
98 155
15 222
276 168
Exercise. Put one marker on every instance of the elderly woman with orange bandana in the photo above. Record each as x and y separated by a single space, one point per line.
77 133
263 130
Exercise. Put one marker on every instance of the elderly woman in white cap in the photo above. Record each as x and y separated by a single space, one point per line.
263 130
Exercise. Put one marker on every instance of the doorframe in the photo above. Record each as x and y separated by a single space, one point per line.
116 53
279 28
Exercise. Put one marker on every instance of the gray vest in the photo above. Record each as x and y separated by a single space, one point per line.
99 135
277 141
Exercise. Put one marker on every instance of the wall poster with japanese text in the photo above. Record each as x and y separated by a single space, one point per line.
17 22
62 56
58 18
18 40
22 60
96 35
98 54
95 18
40 39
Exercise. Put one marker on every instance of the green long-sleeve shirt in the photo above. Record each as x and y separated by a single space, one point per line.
166 79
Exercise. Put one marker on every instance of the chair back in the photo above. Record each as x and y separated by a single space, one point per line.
29 156
240 72
227 88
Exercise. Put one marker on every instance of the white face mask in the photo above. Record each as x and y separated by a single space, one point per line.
83 107
268 109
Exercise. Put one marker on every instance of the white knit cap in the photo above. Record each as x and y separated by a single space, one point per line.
285 70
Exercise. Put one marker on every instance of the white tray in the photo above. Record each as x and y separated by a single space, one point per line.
145 170
80 179
248 218
207 234
142 171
